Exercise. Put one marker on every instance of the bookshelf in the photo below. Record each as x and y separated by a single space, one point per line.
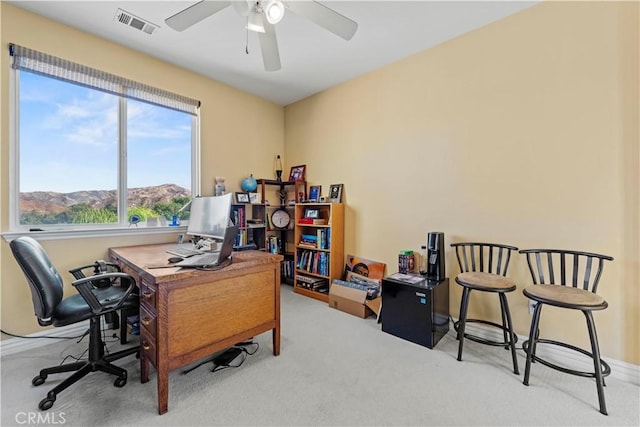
319 248
281 195
250 219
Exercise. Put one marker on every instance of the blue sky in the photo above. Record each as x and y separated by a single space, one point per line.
69 137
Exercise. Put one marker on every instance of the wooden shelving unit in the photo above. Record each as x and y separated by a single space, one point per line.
319 248
250 219
278 195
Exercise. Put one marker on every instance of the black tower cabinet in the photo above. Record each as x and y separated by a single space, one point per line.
415 308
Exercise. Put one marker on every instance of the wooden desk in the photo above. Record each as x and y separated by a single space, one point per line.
188 314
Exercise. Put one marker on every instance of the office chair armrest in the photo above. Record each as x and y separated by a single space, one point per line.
91 294
98 267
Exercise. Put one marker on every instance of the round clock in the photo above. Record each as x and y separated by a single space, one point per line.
280 218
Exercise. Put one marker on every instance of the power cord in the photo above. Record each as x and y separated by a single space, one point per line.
43 336
224 359
239 349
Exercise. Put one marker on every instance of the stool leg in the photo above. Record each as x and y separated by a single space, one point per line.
533 336
512 339
464 304
595 350
504 322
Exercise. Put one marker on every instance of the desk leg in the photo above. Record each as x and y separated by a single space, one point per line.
144 368
163 390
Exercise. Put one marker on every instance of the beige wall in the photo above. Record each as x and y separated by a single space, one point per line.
522 132
230 147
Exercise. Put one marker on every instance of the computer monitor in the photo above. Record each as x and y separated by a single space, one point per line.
209 216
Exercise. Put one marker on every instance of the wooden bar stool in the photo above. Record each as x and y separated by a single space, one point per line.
575 291
483 267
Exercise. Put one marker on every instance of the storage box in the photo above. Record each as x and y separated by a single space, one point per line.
349 300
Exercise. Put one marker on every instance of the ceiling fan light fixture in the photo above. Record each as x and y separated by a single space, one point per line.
255 22
274 11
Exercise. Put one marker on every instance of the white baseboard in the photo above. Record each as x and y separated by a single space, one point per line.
16 345
620 370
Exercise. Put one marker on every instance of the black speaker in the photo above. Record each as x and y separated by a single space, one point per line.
435 256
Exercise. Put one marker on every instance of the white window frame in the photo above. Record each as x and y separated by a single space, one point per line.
53 231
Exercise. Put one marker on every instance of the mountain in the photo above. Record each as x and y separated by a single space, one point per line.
46 202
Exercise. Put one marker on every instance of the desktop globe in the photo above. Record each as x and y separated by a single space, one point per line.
249 184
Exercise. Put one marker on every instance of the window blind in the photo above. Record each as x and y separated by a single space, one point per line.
52 66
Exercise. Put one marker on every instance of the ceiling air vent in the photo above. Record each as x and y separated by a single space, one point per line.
131 20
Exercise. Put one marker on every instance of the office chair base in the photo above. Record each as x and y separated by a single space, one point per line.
82 369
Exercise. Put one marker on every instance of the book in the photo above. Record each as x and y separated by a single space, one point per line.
312 221
314 283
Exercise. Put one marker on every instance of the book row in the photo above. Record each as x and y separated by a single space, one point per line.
287 269
274 245
313 262
321 239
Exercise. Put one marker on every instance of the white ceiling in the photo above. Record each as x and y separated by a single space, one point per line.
313 59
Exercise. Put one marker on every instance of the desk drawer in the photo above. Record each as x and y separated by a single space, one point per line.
148 294
148 346
149 321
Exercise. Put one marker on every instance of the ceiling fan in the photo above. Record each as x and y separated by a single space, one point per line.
262 17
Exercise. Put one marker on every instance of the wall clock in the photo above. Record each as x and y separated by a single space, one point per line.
280 218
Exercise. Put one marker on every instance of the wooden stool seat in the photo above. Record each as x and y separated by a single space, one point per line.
487 282
566 297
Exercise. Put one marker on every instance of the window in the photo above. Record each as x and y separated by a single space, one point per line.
92 149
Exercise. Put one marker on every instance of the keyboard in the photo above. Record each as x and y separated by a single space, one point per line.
184 252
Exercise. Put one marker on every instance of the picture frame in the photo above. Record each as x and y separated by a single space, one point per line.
314 193
255 198
312 213
242 197
335 193
297 173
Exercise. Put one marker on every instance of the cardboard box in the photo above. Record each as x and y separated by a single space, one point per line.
374 305
350 300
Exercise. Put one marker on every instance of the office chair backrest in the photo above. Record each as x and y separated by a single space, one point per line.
565 267
44 280
483 257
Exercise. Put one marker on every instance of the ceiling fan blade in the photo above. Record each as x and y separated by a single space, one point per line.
194 14
269 47
243 7
327 18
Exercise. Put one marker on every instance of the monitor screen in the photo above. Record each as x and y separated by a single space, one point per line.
209 216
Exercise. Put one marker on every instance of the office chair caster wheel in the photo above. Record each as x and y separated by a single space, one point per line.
38 380
120 382
47 402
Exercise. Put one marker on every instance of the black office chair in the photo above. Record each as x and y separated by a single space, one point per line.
91 303
483 267
98 268
575 291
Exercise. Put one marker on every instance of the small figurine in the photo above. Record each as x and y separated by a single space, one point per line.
219 188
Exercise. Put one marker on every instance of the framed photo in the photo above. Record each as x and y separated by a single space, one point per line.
311 213
242 198
314 193
255 198
335 193
297 173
